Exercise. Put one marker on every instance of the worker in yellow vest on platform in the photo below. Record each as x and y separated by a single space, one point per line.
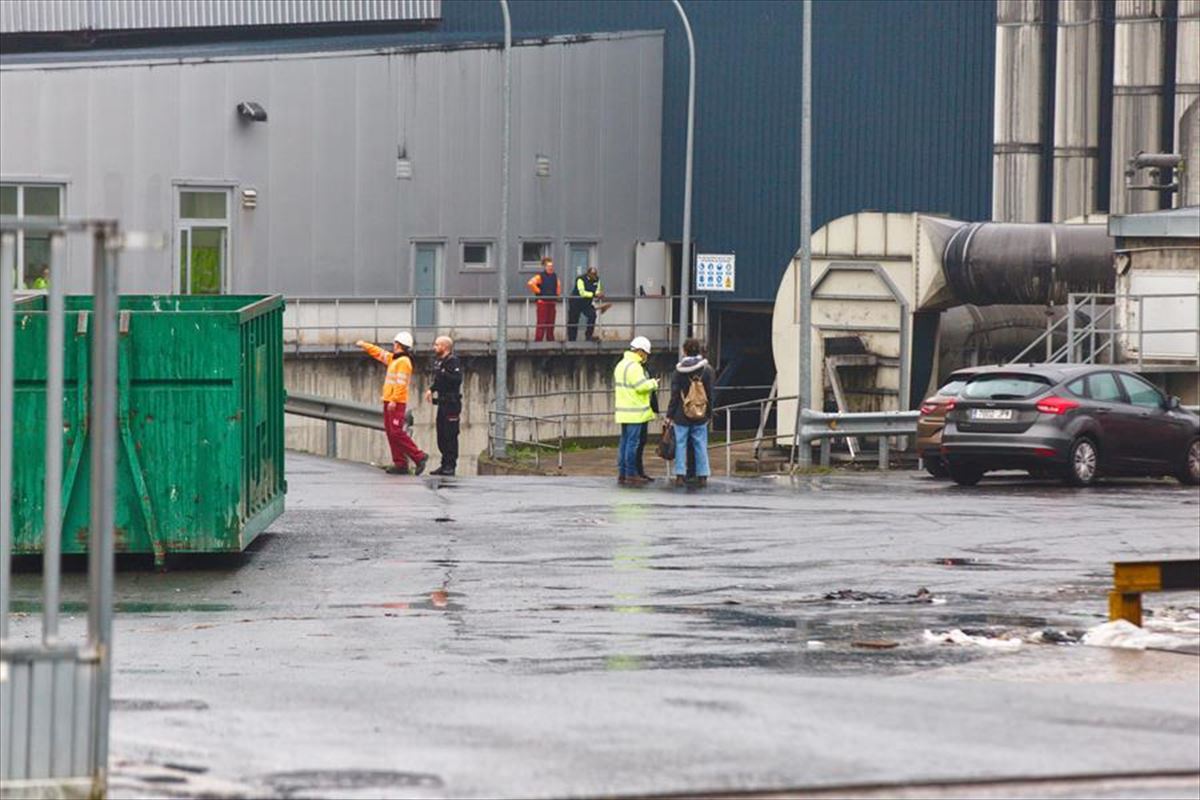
395 402
632 388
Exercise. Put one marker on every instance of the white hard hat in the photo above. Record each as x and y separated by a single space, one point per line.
404 338
640 343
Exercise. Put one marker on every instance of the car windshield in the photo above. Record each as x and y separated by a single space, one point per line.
952 388
1005 387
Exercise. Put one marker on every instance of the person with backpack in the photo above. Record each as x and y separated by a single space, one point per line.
690 410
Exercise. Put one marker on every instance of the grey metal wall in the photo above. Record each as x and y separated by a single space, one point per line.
34 16
332 217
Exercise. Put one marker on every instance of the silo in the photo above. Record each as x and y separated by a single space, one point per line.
1137 104
1187 99
1077 108
1017 148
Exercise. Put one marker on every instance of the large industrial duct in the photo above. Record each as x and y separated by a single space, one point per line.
1077 108
1017 149
988 263
1138 76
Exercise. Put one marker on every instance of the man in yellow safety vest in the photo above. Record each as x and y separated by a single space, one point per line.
632 388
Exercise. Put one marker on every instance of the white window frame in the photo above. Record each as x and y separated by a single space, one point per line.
21 183
530 266
488 266
180 223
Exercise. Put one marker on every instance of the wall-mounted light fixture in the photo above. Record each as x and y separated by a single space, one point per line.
249 198
541 166
251 111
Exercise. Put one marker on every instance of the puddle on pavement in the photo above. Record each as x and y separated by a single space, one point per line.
142 704
323 782
122 607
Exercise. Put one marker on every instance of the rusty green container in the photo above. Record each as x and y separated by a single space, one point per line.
200 463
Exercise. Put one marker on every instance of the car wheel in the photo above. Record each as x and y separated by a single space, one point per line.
1189 471
936 467
1083 465
965 474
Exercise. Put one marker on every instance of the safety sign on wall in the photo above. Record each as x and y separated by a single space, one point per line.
715 273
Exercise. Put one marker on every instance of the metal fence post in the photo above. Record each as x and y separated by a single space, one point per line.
52 500
1141 329
331 442
103 477
562 435
883 453
826 446
728 446
8 252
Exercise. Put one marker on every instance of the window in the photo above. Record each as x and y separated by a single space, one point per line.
1078 387
1140 392
952 388
202 240
1005 387
580 256
33 249
476 255
1103 387
532 254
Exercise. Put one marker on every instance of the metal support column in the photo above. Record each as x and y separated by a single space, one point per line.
502 305
685 257
804 306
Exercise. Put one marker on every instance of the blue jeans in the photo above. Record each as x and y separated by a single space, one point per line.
698 436
631 436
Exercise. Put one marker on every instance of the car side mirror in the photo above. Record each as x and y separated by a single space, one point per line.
1172 403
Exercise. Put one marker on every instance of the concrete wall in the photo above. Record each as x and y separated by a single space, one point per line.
333 217
359 378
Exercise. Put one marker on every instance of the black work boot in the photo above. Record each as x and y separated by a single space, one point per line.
421 465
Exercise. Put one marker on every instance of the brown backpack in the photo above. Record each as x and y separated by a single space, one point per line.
695 401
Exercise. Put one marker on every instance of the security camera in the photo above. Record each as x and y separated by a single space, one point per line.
252 111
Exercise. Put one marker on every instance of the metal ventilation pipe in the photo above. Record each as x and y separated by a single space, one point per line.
1187 93
1077 108
1138 73
1016 148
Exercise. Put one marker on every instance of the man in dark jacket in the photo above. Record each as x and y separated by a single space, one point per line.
582 303
690 411
447 386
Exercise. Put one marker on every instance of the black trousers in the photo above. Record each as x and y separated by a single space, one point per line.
580 307
447 434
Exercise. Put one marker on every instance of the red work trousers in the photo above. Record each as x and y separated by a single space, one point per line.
546 311
403 446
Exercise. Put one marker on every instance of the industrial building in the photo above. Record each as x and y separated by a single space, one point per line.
347 155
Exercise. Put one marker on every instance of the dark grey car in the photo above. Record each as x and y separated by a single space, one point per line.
1077 422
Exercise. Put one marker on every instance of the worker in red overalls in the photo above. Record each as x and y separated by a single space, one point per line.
545 286
395 402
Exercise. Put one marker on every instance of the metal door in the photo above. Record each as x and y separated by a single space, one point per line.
54 692
203 252
425 283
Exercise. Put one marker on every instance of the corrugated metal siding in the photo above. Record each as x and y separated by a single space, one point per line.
39 16
902 96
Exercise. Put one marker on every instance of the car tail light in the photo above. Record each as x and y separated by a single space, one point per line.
1045 452
929 408
1056 405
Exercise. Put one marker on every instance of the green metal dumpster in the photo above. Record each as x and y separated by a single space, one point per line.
200 414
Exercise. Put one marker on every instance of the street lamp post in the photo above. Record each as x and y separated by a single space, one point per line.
499 447
685 269
804 279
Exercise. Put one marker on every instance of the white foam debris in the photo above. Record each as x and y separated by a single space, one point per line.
955 636
814 644
1124 634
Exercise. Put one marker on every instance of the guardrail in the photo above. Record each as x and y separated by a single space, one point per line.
335 412
1132 578
334 323
823 427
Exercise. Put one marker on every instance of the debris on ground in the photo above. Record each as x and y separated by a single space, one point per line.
1124 634
922 595
956 636
875 644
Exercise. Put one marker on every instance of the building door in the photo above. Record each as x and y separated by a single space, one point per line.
425 284
580 255
202 241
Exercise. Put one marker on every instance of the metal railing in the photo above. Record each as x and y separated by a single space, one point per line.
334 323
815 427
1103 339
54 693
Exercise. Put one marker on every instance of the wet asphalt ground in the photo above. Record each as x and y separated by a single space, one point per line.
482 637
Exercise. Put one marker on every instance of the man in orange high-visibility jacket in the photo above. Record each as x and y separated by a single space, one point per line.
395 402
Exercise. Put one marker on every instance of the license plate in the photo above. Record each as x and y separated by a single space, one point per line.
991 413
